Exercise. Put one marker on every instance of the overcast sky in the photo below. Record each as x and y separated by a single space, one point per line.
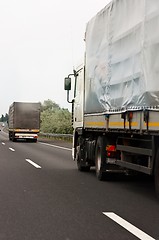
40 43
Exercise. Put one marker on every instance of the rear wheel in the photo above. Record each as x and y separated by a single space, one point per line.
13 137
10 138
100 158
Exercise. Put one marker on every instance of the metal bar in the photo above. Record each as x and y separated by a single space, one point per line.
142 151
135 167
55 135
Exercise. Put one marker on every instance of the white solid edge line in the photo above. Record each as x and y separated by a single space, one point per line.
69 149
13 150
33 163
128 226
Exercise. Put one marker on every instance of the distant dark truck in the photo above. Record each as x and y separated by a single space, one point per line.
24 121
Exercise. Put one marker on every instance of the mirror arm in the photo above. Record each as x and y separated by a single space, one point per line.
73 74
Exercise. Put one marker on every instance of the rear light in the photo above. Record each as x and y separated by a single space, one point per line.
111 151
111 148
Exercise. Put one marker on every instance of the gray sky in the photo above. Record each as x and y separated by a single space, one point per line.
41 41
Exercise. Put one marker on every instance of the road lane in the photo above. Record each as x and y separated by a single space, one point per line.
58 202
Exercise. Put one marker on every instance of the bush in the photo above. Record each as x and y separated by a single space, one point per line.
54 119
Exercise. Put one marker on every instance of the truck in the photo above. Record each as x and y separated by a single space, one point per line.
24 121
115 107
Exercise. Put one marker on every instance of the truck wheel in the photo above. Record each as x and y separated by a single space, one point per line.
157 174
13 138
80 164
10 138
100 158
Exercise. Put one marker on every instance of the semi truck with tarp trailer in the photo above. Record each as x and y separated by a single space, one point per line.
24 121
116 91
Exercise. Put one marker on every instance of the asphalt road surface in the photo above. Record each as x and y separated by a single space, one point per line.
44 197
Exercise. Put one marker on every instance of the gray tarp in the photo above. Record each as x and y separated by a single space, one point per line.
122 57
24 115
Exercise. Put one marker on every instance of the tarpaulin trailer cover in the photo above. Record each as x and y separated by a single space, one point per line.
122 57
24 115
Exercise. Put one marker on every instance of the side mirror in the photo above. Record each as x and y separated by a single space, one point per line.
67 84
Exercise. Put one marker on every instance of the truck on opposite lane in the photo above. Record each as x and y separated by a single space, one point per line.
24 121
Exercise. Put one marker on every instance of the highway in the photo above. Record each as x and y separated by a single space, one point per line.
44 197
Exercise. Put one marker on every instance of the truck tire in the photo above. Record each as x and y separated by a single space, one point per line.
13 137
10 138
80 164
100 158
157 174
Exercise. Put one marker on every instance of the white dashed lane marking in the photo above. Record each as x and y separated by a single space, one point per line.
13 150
33 163
128 226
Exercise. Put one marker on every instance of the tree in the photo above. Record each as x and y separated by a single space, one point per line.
49 105
6 117
55 119
2 118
